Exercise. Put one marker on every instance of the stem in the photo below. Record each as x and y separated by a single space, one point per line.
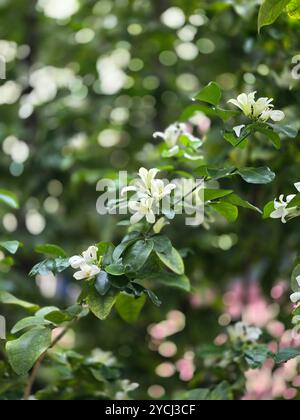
39 362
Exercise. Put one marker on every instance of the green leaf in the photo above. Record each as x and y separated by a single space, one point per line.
238 201
8 299
221 393
129 308
221 173
26 350
102 284
162 243
9 199
116 269
257 175
211 94
137 255
172 280
126 243
58 317
268 209
33 321
172 260
295 274
293 9
49 249
226 114
100 306
235 141
11 246
55 266
285 130
272 135
256 357
287 354
106 250
199 394
213 194
227 210
270 11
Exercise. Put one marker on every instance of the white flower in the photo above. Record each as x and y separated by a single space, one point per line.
149 193
245 333
159 190
281 211
87 263
295 297
245 103
238 130
87 257
143 209
258 109
143 186
87 271
172 134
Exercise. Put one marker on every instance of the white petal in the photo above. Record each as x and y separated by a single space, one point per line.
297 186
80 275
277 116
159 134
235 102
238 130
298 280
278 213
76 261
290 197
94 270
151 217
295 297
128 189
136 218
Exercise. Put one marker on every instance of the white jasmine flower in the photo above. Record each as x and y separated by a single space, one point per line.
281 211
87 257
159 190
242 331
257 109
245 103
143 209
172 134
87 271
238 130
86 263
144 185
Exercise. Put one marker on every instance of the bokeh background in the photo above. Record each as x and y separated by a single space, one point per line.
88 82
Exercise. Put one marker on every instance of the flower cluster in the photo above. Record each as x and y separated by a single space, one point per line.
87 264
261 109
149 194
282 211
245 333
